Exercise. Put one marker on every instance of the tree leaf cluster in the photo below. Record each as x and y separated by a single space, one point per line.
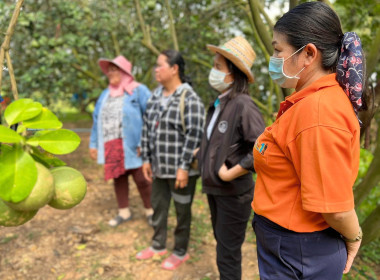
39 135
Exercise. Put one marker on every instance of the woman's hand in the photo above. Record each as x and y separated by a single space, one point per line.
347 224
195 152
224 173
352 250
182 178
147 171
138 151
230 174
93 153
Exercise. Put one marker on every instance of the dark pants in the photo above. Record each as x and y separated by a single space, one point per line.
285 254
122 188
162 192
229 217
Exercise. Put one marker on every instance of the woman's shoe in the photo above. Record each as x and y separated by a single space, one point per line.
149 253
150 220
174 261
118 220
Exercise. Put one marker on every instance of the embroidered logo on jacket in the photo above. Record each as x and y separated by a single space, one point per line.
222 126
261 147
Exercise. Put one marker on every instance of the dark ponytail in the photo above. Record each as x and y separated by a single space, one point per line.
175 57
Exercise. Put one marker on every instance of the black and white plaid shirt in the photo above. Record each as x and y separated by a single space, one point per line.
164 143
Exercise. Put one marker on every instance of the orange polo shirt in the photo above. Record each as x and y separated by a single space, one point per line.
308 159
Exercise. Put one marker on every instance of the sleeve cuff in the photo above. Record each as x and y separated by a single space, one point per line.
323 207
185 166
247 163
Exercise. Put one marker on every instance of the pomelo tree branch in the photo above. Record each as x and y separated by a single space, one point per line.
172 26
4 51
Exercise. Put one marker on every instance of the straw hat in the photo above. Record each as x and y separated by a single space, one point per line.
239 52
120 61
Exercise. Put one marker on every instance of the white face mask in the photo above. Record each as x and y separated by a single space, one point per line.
216 80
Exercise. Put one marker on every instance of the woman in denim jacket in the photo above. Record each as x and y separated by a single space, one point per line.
116 132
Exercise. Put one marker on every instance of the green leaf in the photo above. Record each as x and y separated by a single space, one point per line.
18 175
20 129
5 148
45 120
59 142
21 110
33 141
45 158
8 135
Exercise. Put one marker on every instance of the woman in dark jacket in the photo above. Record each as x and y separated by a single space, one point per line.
233 123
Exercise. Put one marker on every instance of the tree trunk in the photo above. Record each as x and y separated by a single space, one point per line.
372 98
372 177
172 25
374 54
292 4
260 26
371 226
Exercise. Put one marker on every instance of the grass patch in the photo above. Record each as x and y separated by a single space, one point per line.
8 239
73 116
33 235
250 236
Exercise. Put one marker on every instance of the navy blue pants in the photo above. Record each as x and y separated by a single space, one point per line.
283 254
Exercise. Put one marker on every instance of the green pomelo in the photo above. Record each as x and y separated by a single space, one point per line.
12 218
41 194
70 187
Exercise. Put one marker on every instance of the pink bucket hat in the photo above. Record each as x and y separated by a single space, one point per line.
120 61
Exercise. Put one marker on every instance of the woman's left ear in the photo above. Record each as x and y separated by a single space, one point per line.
311 53
175 69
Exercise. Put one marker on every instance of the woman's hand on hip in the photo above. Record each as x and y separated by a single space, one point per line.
93 153
147 171
182 178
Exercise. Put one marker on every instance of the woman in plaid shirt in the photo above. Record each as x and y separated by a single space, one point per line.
168 142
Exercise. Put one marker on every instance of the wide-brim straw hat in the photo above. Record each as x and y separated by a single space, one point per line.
120 61
239 52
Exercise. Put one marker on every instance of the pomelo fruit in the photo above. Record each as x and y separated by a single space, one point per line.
69 187
12 218
41 194
151 4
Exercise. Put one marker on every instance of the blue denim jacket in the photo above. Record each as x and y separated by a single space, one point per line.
132 123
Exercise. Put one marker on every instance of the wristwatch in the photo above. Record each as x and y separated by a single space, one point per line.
356 239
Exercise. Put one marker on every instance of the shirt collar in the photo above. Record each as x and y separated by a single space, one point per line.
325 81
221 96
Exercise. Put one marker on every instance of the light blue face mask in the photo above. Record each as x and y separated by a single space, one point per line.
276 71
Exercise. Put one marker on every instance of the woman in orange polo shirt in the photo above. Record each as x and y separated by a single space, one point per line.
308 159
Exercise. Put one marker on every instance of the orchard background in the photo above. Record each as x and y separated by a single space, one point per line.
54 50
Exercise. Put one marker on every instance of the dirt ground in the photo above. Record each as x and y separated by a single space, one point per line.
78 244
